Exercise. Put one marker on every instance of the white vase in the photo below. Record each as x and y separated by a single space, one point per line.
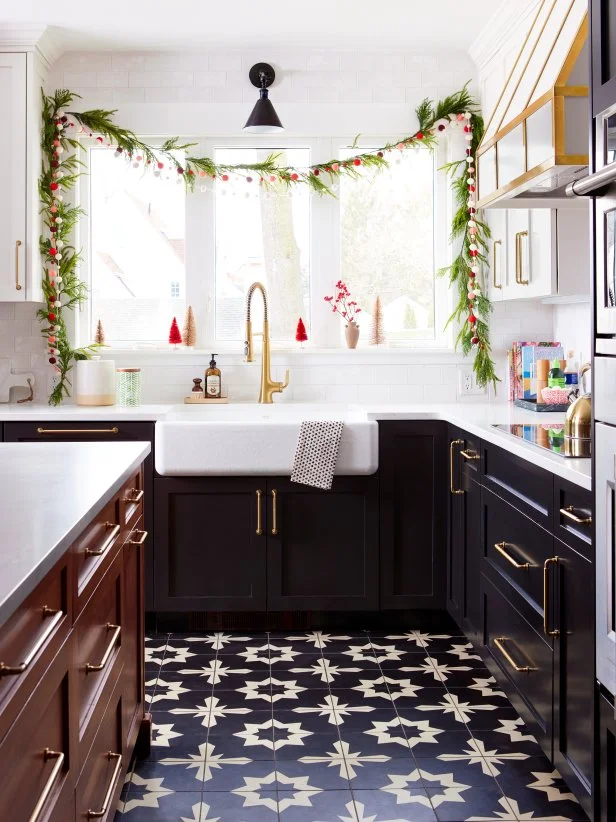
95 382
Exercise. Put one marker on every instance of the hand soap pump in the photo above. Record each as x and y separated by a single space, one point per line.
213 382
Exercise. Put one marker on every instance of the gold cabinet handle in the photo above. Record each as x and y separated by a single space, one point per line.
494 244
113 430
500 547
93 668
110 788
56 618
274 512
259 530
518 258
470 455
135 495
569 512
42 800
140 540
452 447
97 552
17 283
546 597
499 643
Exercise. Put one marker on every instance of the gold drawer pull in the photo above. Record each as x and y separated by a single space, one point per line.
274 513
135 495
452 446
546 597
500 547
42 800
519 262
111 787
259 531
90 668
6 670
494 244
113 430
569 512
470 455
140 540
17 283
97 552
520 668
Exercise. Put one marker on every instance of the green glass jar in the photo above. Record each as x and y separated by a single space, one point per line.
128 387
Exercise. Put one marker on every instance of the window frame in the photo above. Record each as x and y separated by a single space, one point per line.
324 262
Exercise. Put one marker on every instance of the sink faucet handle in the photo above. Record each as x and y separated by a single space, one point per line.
285 384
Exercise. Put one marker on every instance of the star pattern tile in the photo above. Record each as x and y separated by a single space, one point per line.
335 726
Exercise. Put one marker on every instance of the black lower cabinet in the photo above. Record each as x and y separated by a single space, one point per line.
208 554
413 514
605 770
323 546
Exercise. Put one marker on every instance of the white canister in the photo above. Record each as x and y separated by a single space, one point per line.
95 380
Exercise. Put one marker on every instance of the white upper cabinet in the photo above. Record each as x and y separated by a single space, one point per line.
496 273
20 271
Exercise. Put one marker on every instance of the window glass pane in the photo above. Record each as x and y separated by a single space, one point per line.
387 244
262 235
137 232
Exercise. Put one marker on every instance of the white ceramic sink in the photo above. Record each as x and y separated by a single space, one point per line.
252 439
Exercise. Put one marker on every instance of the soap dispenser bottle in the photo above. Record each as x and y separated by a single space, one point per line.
213 382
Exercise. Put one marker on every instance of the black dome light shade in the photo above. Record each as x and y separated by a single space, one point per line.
263 118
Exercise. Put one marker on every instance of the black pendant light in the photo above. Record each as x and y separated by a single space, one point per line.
263 118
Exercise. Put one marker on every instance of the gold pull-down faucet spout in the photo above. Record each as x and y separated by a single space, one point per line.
269 387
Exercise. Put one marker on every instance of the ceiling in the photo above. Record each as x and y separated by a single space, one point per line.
240 24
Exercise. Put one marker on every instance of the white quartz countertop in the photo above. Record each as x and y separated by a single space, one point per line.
475 417
48 494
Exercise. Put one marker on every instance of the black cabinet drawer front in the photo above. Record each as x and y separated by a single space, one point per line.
521 653
67 431
515 545
520 482
573 516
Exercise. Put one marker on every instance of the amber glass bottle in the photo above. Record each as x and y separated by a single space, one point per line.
213 382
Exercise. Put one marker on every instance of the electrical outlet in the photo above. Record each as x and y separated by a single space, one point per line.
466 383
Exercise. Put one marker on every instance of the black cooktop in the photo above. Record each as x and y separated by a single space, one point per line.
551 437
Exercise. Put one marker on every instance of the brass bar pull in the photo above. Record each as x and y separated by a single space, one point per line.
113 430
452 446
110 788
8 670
500 547
569 512
17 283
140 540
92 668
259 530
526 669
470 455
494 244
519 258
274 513
546 597
42 800
137 495
97 552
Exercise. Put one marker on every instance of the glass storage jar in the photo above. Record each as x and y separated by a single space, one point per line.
128 386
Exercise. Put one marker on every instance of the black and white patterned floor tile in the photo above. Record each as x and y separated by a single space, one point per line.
336 726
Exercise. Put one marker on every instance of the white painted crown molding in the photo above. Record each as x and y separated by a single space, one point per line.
30 37
507 18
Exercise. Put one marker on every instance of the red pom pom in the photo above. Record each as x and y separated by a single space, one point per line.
249 179
225 177
99 139
357 161
160 165
472 274
471 188
180 170
473 253
53 186
472 319
191 173
475 340
379 154
294 176
316 172
52 361
53 228
419 135
53 251
51 317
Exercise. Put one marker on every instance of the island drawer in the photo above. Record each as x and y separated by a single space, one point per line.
514 545
38 748
95 549
520 482
573 516
131 499
30 639
98 643
100 781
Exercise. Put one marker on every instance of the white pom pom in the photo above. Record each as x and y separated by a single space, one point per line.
60 113
470 181
472 224
475 269
59 150
473 247
467 115
58 220
469 160
59 244
468 137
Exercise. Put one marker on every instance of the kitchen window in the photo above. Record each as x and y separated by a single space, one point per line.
152 250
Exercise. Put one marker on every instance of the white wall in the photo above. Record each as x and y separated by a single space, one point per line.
316 92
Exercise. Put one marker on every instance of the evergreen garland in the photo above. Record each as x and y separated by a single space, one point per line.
61 169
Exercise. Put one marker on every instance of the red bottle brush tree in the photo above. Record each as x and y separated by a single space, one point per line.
175 338
300 332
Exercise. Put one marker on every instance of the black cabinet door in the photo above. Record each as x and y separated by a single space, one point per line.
603 46
413 514
605 770
571 613
208 555
322 546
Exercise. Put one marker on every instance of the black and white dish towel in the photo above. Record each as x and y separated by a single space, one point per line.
317 452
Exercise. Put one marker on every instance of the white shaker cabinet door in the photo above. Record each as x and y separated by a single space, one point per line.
531 261
13 150
495 276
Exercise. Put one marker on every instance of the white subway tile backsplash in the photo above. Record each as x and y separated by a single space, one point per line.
393 94
112 79
145 79
175 79
129 95
80 78
329 61
210 78
406 393
122 61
